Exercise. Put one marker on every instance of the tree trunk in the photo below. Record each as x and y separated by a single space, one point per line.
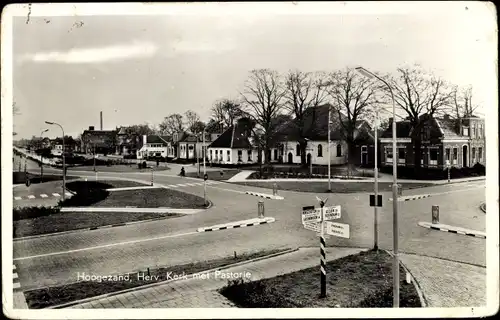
417 145
351 150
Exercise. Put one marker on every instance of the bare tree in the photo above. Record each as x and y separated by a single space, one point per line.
462 103
353 99
264 97
304 90
191 119
421 95
226 111
171 124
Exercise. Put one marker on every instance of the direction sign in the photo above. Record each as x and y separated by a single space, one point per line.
331 213
337 229
311 214
313 226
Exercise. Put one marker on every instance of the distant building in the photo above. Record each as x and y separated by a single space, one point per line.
461 142
100 141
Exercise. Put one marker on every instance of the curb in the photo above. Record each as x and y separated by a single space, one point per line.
189 276
457 230
15 278
416 285
87 229
263 195
130 210
409 198
237 225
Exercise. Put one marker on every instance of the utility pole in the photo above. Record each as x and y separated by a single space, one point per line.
375 172
328 145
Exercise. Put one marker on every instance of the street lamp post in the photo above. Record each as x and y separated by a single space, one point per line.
203 151
41 156
395 229
63 158
328 147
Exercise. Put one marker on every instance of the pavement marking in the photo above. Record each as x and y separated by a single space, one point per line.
241 192
43 195
17 198
181 185
452 229
15 278
56 194
31 197
105 246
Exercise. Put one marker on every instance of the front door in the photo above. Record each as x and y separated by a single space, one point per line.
308 159
465 157
290 158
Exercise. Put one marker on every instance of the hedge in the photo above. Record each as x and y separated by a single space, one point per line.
33 212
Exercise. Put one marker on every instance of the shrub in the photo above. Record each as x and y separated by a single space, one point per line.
33 212
480 169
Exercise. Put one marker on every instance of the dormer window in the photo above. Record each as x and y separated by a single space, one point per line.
465 131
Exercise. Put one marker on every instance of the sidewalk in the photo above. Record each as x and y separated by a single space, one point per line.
241 177
201 293
447 284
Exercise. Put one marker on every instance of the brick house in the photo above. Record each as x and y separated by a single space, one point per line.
461 142
103 141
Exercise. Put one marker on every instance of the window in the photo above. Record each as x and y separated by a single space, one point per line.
320 150
480 154
190 147
275 154
401 155
210 154
473 155
249 152
388 154
466 131
448 154
339 150
363 149
455 155
433 156
240 154
298 150
480 131
228 156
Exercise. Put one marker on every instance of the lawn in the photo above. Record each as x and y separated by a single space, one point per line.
57 222
151 198
20 177
336 187
358 281
215 175
53 296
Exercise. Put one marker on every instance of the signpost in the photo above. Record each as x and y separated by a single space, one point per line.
317 219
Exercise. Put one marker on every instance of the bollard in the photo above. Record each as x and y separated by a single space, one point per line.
261 209
435 214
275 189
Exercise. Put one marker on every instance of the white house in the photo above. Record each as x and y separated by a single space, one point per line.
192 146
156 146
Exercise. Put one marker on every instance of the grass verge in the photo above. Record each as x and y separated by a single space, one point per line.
358 281
119 168
57 222
336 187
53 296
151 198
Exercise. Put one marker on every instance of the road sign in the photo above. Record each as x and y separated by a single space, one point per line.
372 200
337 229
205 177
313 226
311 214
331 213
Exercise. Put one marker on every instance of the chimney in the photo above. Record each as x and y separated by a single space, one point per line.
101 120
91 128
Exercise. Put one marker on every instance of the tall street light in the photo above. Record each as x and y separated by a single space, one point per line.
395 231
41 155
328 147
63 158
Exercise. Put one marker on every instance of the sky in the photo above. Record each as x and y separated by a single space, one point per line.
140 66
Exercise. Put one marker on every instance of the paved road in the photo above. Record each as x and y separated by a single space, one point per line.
56 259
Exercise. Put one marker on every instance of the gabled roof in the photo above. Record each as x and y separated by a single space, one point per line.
236 136
449 128
403 129
155 139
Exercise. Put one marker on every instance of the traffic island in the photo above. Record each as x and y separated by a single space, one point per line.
362 280
69 294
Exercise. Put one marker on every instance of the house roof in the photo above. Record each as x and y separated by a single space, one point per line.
448 127
403 129
236 136
158 139
316 125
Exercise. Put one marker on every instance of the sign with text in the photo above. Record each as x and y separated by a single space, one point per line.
311 214
331 213
337 229
313 226
372 200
